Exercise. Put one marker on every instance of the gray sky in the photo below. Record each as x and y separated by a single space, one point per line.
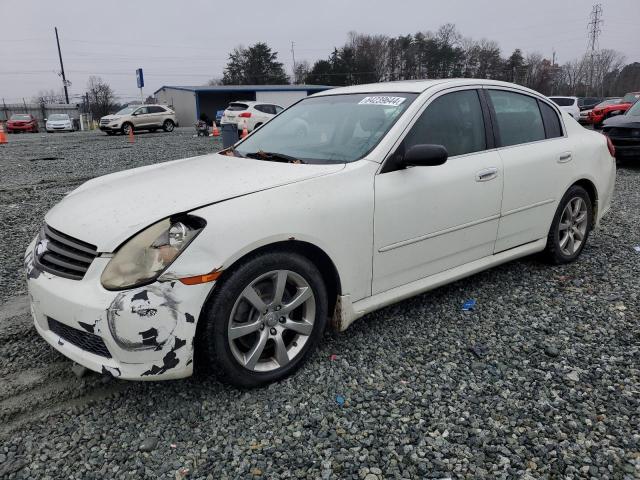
184 42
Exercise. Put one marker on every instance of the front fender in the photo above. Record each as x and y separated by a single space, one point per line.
334 213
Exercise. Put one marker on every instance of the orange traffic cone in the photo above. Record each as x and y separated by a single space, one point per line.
245 132
3 136
214 131
131 137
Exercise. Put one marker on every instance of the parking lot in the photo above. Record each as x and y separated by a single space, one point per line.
541 380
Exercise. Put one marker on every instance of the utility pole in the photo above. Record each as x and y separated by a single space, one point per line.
64 79
595 20
554 71
293 54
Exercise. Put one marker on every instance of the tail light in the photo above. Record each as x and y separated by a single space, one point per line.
612 149
245 115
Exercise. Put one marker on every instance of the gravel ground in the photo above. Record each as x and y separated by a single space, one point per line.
541 380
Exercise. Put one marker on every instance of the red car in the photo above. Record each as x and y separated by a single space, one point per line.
22 122
600 113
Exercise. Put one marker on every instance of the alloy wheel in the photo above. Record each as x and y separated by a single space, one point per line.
271 321
573 226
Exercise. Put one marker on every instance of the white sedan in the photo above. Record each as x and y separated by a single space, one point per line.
348 201
59 122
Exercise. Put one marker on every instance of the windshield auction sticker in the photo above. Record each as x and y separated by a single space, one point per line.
382 100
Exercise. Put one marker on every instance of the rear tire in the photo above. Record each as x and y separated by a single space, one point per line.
168 126
252 343
570 227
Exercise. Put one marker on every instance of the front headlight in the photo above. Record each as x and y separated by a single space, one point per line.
145 256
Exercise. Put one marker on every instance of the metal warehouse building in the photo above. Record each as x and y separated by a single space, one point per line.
190 102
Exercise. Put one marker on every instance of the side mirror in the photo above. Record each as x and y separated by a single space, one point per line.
426 155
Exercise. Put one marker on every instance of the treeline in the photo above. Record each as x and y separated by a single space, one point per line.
444 53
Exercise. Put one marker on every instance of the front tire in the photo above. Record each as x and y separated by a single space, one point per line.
570 227
126 128
168 126
264 320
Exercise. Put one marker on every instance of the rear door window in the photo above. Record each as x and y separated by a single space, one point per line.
518 117
552 125
453 120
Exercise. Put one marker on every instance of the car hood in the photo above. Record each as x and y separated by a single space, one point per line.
108 210
629 121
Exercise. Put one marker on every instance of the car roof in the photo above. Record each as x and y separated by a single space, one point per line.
418 86
566 96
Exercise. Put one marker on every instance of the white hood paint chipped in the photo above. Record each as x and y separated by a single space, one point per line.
107 210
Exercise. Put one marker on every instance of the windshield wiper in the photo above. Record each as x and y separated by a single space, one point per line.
273 157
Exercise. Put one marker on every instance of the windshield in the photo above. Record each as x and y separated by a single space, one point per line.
630 98
20 116
563 101
635 110
59 116
331 128
128 110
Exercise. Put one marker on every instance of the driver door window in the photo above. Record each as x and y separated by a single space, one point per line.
140 116
453 120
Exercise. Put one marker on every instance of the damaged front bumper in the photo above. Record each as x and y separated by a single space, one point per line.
145 333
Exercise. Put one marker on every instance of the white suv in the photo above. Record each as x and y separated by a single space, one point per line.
568 104
140 117
253 114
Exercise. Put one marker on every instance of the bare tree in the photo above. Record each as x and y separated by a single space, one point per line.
46 97
214 82
301 72
573 74
605 62
101 97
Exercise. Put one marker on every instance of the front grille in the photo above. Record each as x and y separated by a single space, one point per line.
105 122
84 340
63 255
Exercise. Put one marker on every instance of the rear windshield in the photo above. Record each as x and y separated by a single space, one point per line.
234 107
588 101
20 116
563 101
630 98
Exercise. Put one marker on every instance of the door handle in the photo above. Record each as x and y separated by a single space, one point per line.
486 174
565 157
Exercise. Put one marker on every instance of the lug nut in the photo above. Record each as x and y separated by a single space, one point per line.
273 331
262 326
278 307
282 319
